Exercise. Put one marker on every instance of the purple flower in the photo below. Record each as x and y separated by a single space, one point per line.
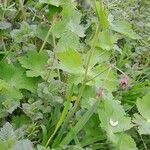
99 92
124 82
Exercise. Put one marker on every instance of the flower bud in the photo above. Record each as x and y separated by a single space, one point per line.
99 92
124 82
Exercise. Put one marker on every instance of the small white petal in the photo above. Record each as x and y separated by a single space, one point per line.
113 123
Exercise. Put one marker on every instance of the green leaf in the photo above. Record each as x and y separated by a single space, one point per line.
3 85
20 120
41 32
68 29
51 2
93 133
44 135
125 28
9 97
70 61
35 63
99 56
105 40
12 79
59 28
143 124
107 77
32 110
125 142
76 28
52 10
80 124
143 106
22 34
143 121
102 14
68 41
15 77
113 117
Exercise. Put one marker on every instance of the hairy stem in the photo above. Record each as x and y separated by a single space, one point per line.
91 51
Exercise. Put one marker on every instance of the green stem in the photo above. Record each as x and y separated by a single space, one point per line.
81 90
97 75
5 8
91 51
22 9
119 70
8 52
58 72
47 36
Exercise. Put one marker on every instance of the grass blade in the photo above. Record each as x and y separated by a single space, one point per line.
80 124
44 134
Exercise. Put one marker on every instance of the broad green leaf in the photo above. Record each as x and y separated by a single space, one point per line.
125 142
107 77
9 98
51 2
59 28
105 40
143 124
68 29
70 61
12 79
93 133
125 28
89 95
99 56
35 63
80 124
143 121
113 117
52 10
15 77
68 41
20 120
76 28
41 32
70 12
143 106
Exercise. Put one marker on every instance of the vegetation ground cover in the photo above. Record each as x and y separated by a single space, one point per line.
74 75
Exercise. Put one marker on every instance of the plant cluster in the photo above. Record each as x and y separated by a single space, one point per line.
74 75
